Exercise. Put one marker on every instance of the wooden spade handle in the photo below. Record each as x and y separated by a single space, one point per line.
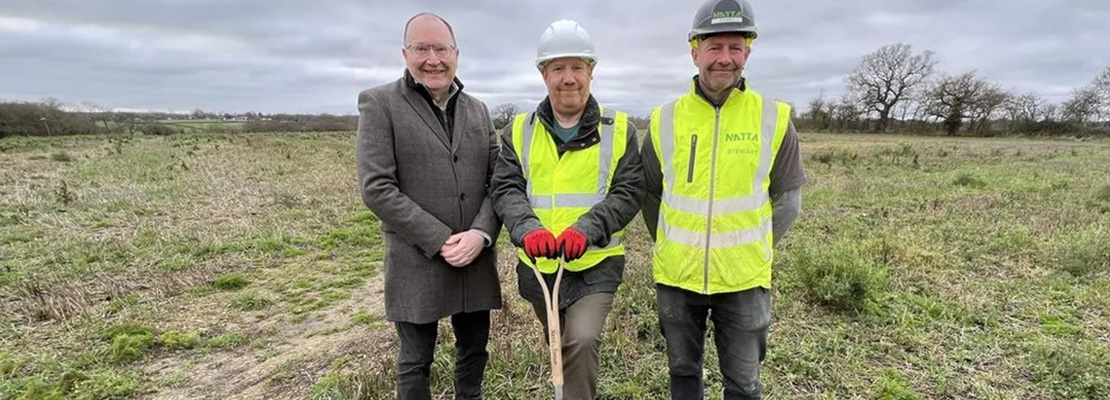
554 333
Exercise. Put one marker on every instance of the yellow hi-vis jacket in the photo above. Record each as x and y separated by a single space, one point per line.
561 189
714 233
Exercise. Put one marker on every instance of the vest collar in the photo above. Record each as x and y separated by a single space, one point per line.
735 92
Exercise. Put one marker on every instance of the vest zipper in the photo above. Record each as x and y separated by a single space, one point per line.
555 175
712 181
693 157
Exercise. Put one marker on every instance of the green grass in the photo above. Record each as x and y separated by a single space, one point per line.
130 347
118 305
969 180
104 385
230 282
892 386
227 340
178 340
921 268
363 318
205 125
251 302
61 156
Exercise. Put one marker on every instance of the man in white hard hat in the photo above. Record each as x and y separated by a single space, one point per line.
723 183
566 183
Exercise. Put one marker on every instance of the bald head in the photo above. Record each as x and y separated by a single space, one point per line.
427 21
431 56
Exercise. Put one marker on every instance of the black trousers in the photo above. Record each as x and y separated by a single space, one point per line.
740 324
418 343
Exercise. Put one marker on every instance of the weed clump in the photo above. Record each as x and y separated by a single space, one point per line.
1084 254
61 156
129 342
178 340
250 302
1101 200
969 180
230 282
840 276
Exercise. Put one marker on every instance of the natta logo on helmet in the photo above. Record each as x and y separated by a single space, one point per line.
725 17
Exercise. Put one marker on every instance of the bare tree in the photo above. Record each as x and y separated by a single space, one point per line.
53 111
845 113
1101 86
1050 112
1024 108
954 99
886 77
504 114
986 107
1102 83
1083 106
816 115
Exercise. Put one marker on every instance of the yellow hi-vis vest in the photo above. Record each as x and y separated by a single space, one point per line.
563 189
714 233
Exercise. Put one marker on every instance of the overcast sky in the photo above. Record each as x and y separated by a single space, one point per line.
314 56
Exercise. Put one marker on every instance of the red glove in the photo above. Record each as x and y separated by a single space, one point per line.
540 243
572 244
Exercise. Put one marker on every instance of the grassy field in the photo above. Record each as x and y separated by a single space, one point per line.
245 266
205 125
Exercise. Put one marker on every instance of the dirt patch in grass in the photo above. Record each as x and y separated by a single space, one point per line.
293 356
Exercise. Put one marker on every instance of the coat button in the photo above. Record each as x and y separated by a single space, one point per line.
462 196
456 159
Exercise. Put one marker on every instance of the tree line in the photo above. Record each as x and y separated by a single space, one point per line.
52 117
896 89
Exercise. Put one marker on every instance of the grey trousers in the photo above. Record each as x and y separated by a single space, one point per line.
581 323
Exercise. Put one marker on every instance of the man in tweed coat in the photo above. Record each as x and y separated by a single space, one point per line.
425 154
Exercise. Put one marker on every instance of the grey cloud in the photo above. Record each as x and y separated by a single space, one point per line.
297 56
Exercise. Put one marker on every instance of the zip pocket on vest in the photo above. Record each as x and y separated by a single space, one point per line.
693 154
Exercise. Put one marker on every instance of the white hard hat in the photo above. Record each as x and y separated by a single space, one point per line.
565 38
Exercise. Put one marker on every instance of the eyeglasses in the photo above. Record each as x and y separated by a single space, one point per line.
423 50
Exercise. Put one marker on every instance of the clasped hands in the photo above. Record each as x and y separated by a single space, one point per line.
462 248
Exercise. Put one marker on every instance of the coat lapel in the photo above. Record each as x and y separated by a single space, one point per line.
425 111
460 122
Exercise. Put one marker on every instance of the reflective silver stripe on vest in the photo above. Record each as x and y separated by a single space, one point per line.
526 151
666 147
567 200
666 140
770 120
720 206
605 158
724 206
718 240
584 200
